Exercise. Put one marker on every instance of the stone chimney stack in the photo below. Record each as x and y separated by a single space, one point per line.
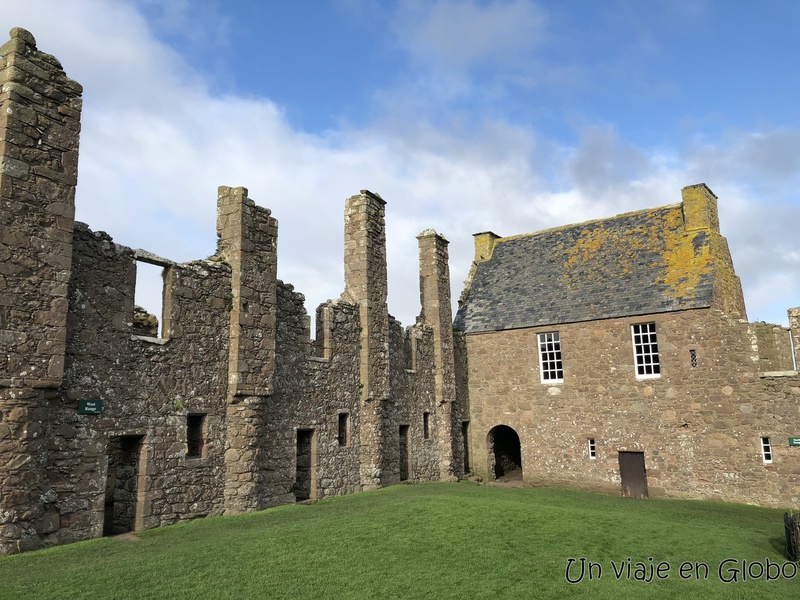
39 129
700 208
248 238
40 110
365 285
434 284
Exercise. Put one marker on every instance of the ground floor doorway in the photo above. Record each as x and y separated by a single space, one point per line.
305 484
505 453
122 496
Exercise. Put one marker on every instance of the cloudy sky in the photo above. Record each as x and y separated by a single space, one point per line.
465 115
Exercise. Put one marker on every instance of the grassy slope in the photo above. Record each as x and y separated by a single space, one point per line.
421 541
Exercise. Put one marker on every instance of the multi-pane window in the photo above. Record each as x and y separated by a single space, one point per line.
766 449
645 350
592 449
550 365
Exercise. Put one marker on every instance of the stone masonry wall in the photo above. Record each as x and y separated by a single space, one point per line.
774 347
107 426
147 385
39 128
699 428
365 285
437 310
248 242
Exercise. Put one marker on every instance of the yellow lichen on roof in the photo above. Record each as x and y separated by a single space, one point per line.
686 262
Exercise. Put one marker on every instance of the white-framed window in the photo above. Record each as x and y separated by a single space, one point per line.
645 350
766 450
592 449
550 366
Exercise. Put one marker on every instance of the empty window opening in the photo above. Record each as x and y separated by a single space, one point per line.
305 476
148 298
592 449
465 438
122 485
195 437
551 367
693 358
404 452
645 350
766 450
426 425
344 429
505 454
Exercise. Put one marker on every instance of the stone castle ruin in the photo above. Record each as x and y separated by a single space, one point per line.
106 427
109 424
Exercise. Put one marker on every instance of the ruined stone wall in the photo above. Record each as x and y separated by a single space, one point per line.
147 386
107 427
699 428
774 347
39 128
434 276
412 372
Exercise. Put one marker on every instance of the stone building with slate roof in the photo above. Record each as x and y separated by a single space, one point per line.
615 355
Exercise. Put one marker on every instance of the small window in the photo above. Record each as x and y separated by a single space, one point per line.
592 449
645 350
344 429
550 365
194 436
693 358
426 431
766 449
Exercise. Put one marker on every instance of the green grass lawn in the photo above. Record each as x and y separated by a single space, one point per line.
455 540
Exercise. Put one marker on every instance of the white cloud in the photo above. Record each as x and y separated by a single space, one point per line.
460 35
156 143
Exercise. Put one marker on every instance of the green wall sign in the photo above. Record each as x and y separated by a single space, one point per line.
90 407
794 441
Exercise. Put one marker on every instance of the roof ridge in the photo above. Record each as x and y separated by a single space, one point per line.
583 224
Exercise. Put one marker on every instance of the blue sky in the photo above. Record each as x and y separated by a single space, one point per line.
466 116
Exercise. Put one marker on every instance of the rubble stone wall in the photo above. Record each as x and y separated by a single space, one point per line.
700 428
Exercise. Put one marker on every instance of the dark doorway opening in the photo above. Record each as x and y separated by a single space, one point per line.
505 454
465 441
304 487
633 474
405 458
122 484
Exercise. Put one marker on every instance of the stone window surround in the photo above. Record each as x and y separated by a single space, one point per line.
343 429
551 357
644 350
150 258
196 430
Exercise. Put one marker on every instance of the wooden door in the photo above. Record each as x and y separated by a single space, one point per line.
633 474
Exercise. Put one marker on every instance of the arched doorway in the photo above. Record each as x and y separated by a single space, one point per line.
505 455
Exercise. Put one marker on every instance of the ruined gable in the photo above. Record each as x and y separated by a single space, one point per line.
110 423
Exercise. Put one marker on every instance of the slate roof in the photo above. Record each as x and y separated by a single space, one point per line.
633 264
